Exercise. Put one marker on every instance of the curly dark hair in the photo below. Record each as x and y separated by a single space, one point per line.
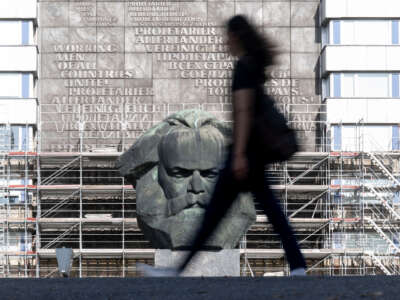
256 45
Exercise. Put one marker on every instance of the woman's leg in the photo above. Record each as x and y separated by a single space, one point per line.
271 206
225 192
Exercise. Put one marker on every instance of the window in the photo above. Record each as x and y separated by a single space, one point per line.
16 33
325 35
350 139
396 198
364 32
16 197
19 137
22 242
395 86
337 86
16 138
337 138
4 138
16 85
336 32
371 138
377 138
395 137
348 85
13 239
325 88
13 199
337 240
364 85
371 32
17 241
395 32
372 85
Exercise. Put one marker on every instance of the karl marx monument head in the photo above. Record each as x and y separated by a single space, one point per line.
174 167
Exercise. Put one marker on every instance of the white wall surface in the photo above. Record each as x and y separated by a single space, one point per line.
12 32
336 9
18 9
12 85
17 111
385 111
360 58
20 58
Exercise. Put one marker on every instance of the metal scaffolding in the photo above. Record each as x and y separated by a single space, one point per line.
342 206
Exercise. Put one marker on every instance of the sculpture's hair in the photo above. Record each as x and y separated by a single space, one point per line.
189 124
143 155
196 119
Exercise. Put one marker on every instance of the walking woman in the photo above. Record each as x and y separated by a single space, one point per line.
244 169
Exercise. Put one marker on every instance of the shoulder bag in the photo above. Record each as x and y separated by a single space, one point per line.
277 140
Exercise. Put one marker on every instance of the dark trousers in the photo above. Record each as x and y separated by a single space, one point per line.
227 190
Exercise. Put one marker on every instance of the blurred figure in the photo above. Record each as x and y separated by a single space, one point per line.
244 169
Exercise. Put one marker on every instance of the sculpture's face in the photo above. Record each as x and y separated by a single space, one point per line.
188 169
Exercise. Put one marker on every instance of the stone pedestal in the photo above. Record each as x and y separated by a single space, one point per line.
206 263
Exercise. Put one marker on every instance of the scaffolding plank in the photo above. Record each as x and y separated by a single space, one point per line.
250 253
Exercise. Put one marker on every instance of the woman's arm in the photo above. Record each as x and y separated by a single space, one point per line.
243 107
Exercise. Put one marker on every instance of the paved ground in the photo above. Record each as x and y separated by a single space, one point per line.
284 288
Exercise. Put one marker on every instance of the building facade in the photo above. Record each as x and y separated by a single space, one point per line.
80 81
18 131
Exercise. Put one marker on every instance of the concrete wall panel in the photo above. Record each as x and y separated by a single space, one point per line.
112 36
253 10
280 36
304 14
304 65
113 57
220 11
304 39
276 13
53 14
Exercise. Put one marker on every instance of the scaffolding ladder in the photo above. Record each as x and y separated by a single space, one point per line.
378 262
379 193
378 159
3 182
4 138
2 241
392 246
5 135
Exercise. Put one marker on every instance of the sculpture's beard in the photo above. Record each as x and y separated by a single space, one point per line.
187 201
172 223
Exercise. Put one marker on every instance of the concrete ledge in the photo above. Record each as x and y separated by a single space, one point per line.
283 288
